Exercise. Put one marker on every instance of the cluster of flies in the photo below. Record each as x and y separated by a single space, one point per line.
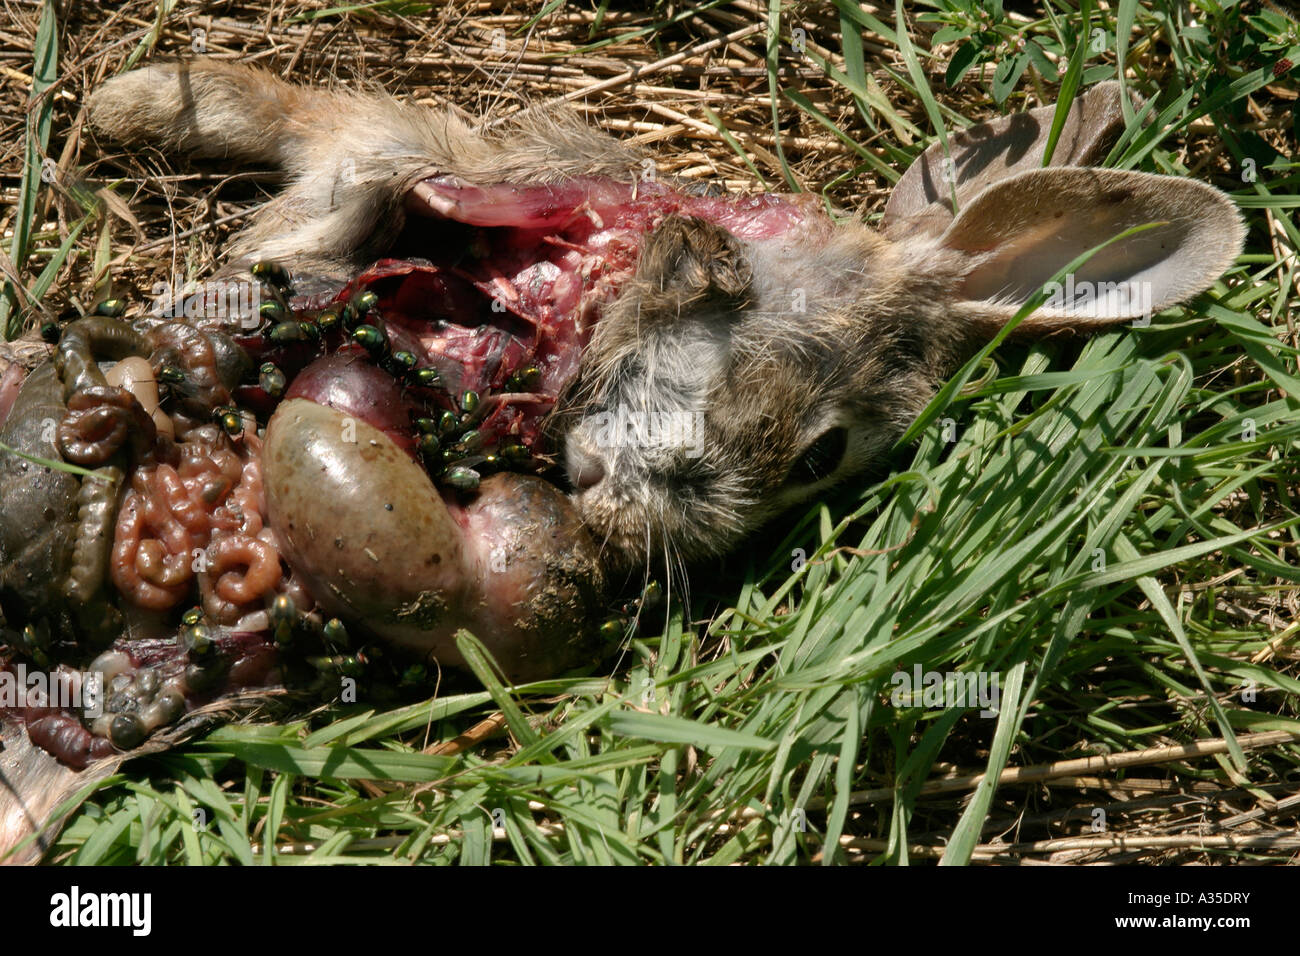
451 446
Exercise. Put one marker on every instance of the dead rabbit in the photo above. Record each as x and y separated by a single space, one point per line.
801 350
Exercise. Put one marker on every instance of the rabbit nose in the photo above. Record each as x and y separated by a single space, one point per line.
585 469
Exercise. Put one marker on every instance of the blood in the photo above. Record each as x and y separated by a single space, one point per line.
518 275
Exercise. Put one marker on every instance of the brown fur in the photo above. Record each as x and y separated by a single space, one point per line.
349 156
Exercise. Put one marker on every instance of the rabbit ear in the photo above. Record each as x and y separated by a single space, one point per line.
989 152
692 259
1017 234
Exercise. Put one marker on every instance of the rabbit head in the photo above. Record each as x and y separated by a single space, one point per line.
735 379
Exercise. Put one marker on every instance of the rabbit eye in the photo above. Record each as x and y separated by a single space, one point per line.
821 458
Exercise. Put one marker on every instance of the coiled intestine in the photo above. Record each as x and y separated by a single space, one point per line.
150 559
241 570
99 420
185 346
199 521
